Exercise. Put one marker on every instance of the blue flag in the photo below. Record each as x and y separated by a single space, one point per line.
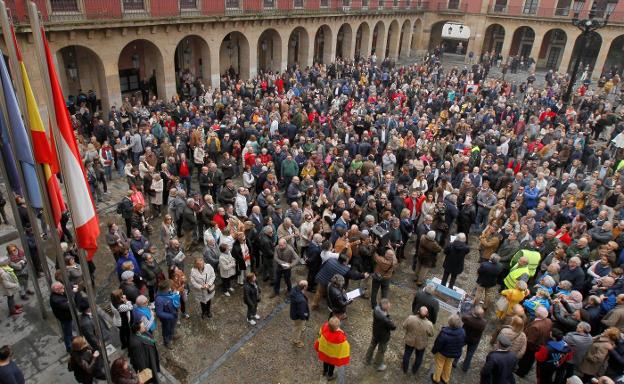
8 159
22 150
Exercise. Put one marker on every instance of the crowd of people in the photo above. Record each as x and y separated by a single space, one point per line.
350 169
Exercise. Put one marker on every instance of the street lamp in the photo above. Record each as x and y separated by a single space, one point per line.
587 27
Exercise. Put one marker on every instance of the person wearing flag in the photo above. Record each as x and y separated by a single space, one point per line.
333 349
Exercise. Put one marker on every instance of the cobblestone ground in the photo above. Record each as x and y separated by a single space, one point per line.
225 349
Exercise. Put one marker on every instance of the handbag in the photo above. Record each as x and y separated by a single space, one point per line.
145 375
502 303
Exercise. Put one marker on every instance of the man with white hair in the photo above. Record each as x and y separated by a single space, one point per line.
579 341
428 250
61 310
537 333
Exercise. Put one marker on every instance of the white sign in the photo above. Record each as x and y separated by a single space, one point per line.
455 31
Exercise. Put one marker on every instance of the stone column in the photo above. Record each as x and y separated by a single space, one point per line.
380 50
507 44
307 56
366 44
393 52
329 51
537 45
168 80
602 56
567 54
215 65
350 51
406 44
283 64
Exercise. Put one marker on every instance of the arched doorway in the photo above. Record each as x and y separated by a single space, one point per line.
84 72
404 41
269 51
493 40
192 61
379 37
615 58
552 48
588 51
234 55
392 44
298 47
141 68
343 42
522 42
362 39
322 45
416 35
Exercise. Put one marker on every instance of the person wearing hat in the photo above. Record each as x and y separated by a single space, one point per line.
87 325
9 285
499 364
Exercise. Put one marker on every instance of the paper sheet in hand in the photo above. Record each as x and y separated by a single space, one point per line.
453 238
354 294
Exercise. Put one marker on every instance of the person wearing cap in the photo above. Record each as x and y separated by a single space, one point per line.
428 249
87 325
128 287
9 285
499 364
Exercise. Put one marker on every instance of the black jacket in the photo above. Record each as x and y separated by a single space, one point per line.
188 219
266 246
474 327
314 260
455 253
125 208
143 354
251 294
499 367
487 274
382 325
130 290
87 325
423 298
337 300
299 309
60 306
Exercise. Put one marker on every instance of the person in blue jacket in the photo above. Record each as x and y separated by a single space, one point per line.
447 347
299 312
126 255
167 303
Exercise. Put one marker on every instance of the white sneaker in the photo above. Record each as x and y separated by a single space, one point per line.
257 317
227 294
252 322
231 289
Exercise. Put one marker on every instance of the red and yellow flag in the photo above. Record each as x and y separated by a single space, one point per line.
41 144
332 347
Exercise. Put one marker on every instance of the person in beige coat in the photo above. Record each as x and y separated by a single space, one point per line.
9 285
418 332
595 361
203 285
514 333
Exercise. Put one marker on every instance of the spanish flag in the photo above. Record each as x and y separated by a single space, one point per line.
332 347
42 148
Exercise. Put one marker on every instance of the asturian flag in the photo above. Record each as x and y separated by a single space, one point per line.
84 216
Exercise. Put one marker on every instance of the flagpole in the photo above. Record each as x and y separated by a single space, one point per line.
31 214
19 88
33 15
47 209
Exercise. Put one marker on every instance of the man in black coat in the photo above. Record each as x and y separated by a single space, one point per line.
299 312
382 327
454 260
125 209
87 325
487 277
60 308
425 298
499 364
314 260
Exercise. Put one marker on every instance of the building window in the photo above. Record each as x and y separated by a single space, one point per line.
133 5
381 3
297 3
232 4
395 3
129 80
500 6
563 8
599 7
407 3
64 6
364 3
346 3
530 7
270 4
453 4
324 3
188 4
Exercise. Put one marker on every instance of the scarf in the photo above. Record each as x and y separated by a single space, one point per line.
10 271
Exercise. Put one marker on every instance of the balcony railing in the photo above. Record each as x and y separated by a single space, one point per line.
63 11
542 12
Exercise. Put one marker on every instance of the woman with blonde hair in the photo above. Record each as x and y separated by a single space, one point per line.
203 285
85 362
514 331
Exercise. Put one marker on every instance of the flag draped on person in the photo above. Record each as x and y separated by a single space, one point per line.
22 150
44 154
74 175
